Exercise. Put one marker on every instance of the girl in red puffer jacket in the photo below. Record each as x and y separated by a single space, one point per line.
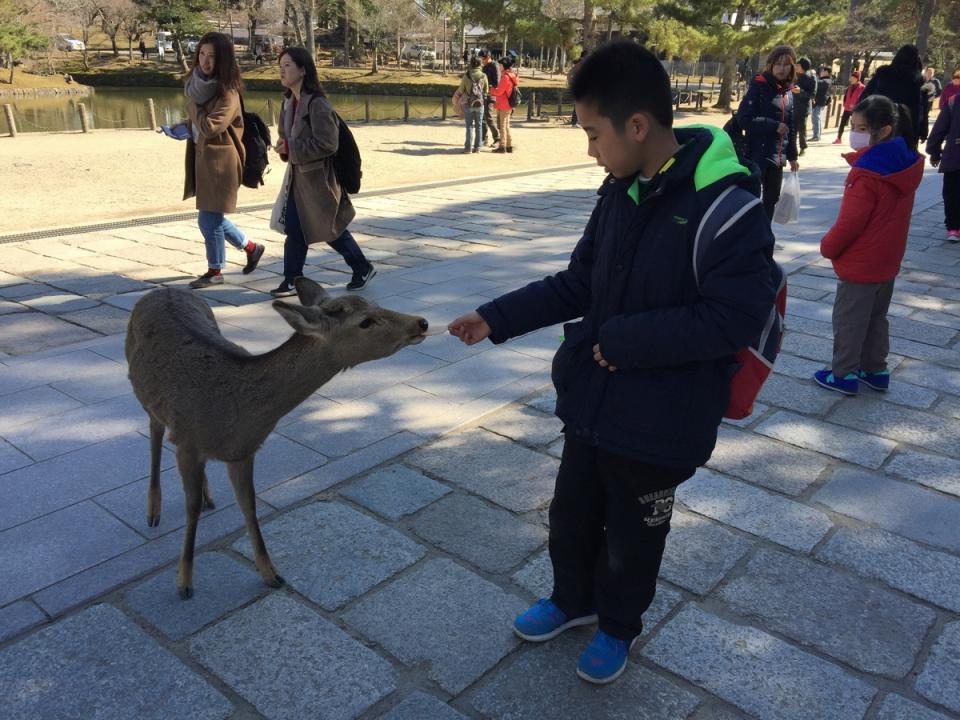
502 92
867 243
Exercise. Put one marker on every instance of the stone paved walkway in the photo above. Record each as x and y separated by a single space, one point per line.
813 569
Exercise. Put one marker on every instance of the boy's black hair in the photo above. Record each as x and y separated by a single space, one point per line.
623 78
804 62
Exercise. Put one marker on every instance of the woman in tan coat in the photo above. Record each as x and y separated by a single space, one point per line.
215 153
317 208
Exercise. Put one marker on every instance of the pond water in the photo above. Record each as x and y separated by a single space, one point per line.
112 107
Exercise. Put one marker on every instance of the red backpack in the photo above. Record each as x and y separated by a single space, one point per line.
754 362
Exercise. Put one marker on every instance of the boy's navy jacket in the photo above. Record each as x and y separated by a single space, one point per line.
766 105
631 280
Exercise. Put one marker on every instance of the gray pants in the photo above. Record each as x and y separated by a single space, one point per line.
861 333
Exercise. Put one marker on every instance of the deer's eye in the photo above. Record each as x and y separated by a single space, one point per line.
366 322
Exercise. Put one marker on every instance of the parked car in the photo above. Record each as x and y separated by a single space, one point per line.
67 43
414 51
190 44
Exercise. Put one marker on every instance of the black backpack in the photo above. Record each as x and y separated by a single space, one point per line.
256 140
515 97
737 136
346 161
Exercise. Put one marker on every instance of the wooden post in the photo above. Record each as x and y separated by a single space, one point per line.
82 109
406 109
443 108
366 109
151 114
530 108
271 112
11 123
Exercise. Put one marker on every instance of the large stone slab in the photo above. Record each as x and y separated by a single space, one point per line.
491 538
478 375
700 553
220 585
755 511
34 404
395 491
332 553
931 376
904 424
766 462
882 501
441 602
99 664
23 333
757 672
489 465
420 706
801 396
525 425
935 471
41 552
18 617
940 679
517 691
834 440
871 629
925 573
56 483
897 707
11 458
290 663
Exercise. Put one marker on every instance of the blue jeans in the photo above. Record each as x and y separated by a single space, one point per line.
215 228
295 245
473 116
816 121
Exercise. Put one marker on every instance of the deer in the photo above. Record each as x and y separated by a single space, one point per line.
220 402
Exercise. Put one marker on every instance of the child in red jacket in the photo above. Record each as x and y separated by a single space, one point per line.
867 243
850 99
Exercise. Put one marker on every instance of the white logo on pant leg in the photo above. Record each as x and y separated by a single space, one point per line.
662 510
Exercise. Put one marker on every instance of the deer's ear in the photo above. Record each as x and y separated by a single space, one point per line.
309 292
305 320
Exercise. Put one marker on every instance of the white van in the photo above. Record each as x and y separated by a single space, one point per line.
164 40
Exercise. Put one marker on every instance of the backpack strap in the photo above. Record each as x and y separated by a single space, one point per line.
730 205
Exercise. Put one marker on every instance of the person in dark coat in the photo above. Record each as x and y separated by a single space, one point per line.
766 115
820 99
943 147
492 71
642 376
901 81
804 88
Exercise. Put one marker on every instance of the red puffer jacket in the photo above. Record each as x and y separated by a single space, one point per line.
508 81
869 236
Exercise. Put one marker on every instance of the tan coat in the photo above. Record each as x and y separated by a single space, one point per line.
324 209
214 165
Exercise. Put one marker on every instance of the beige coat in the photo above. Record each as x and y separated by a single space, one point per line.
324 209
215 164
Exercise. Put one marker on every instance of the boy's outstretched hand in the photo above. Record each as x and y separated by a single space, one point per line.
471 328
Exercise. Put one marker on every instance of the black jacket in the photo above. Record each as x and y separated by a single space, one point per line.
631 280
763 108
492 73
807 82
822 92
902 86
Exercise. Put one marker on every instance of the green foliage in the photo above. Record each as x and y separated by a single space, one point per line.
18 34
182 17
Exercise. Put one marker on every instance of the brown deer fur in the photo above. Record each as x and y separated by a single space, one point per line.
219 402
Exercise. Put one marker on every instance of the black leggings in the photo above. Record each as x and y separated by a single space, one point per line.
843 123
771 180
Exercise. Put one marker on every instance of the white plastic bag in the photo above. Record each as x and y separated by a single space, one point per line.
278 217
788 206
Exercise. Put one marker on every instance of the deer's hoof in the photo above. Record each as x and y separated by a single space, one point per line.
185 592
153 519
208 504
277 582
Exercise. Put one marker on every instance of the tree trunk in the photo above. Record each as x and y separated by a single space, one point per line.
252 36
346 34
588 39
130 47
503 52
10 62
308 14
725 96
178 46
923 28
399 60
609 27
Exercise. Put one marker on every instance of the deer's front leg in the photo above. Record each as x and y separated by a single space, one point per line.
192 475
241 476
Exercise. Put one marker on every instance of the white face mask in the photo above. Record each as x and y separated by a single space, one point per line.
859 140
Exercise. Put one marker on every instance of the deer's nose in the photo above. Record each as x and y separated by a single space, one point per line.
423 324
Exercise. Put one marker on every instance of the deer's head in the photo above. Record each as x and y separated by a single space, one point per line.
363 331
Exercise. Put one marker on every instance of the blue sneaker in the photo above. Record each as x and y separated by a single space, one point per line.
544 621
848 384
878 381
605 659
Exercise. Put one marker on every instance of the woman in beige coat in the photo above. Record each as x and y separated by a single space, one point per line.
215 153
317 208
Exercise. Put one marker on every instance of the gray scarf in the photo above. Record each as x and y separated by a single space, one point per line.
201 90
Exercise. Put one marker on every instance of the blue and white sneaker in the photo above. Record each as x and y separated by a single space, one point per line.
849 384
605 659
879 381
544 621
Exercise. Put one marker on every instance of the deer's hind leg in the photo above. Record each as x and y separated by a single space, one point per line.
241 476
153 494
190 465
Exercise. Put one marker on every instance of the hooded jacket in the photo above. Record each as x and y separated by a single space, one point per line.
869 237
508 81
806 85
630 279
946 133
901 85
466 83
766 105
851 96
